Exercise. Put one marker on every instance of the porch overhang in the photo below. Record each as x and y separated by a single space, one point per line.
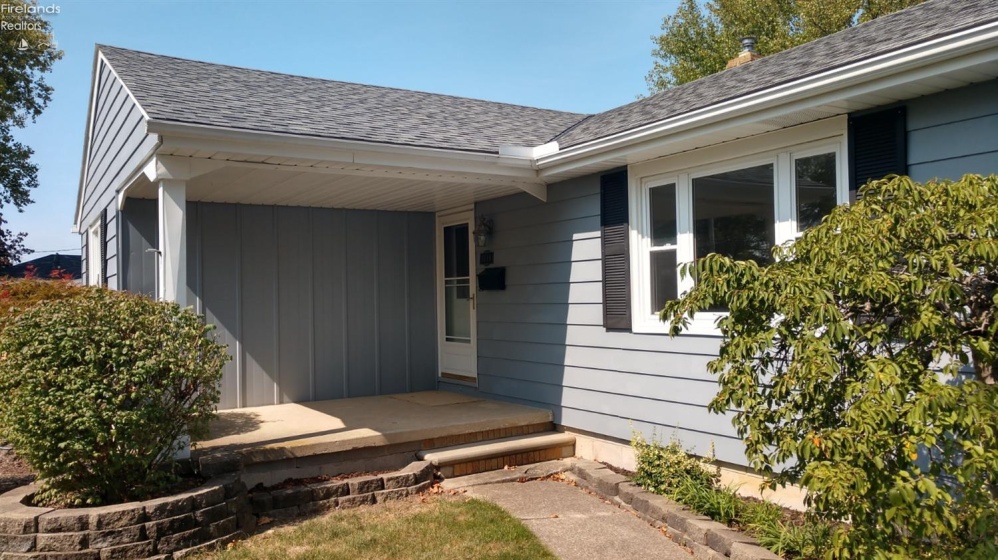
249 167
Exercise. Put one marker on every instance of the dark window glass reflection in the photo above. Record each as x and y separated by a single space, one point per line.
663 279
815 180
733 214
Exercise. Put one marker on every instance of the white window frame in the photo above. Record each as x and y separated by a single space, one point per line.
93 254
674 172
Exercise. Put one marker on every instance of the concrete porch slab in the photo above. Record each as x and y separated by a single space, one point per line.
297 430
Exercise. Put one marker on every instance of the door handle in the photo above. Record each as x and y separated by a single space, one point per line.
471 298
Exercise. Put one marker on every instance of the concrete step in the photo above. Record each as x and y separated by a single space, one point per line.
471 458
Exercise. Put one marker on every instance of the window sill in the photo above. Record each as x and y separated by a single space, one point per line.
703 325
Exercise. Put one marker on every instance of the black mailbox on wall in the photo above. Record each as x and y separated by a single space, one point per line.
492 279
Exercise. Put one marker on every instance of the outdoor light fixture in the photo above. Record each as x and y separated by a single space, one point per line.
483 231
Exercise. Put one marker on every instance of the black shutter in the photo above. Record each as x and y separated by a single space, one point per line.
616 278
877 147
103 248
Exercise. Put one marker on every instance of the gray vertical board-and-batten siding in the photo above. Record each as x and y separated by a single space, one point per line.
542 342
953 133
313 303
116 146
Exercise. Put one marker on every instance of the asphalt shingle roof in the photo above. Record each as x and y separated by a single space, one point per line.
882 35
186 91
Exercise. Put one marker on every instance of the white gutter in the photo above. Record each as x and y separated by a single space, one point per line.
964 46
356 152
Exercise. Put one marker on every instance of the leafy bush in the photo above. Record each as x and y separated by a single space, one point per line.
98 388
845 358
664 468
17 294
693 482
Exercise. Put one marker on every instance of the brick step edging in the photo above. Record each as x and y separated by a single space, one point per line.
319 497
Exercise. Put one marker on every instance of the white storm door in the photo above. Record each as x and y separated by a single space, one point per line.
456 297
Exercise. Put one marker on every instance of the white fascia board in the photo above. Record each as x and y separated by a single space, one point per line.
966 48
220 139
87 134
528 152
162 167
525 156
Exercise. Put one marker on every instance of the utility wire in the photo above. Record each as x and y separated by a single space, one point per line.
53 251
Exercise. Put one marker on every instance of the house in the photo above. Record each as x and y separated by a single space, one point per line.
54 265
328 228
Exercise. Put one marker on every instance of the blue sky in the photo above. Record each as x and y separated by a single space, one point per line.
583 56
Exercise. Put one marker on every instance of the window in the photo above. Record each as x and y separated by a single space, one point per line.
94 255
815 186
663 245
739 208
734 214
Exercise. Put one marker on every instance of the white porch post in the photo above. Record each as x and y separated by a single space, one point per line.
173 241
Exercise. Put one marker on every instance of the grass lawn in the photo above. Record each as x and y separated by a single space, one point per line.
436 527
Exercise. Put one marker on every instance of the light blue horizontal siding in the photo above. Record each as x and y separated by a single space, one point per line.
953 133
541 342
115 148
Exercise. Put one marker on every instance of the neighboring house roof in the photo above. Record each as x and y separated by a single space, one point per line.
885 34
43 266
186 91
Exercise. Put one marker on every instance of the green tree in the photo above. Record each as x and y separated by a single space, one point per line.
862 363
26 55
698 41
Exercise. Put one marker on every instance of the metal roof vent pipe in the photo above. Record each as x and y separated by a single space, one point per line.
747 55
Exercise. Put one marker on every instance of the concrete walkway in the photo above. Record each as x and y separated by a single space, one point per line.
576 525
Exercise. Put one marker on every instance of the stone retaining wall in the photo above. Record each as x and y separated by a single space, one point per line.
171 527
174 527
324 496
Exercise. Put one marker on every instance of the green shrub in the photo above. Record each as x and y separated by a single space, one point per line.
808 539
720 503
663 468
693 482
18 294
846 361
98 389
